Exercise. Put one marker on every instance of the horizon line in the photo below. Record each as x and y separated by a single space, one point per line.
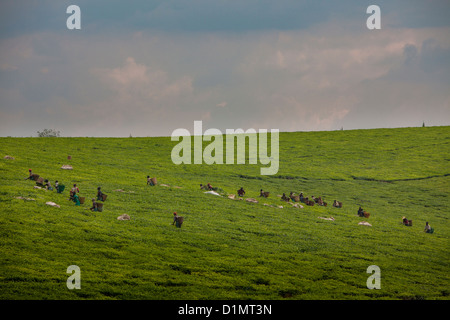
268 131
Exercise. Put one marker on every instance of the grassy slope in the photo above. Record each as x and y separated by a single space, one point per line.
229 249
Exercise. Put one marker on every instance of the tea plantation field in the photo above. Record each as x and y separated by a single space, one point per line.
229 249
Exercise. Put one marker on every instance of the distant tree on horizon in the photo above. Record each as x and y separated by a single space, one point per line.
48 133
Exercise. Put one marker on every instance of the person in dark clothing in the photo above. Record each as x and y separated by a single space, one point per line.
177 220
175 217
99 194
94 205
30 175
406 222
360 212
48 186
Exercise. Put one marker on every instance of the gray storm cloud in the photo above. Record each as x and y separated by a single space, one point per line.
145 78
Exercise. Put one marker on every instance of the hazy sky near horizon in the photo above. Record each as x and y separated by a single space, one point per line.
146 68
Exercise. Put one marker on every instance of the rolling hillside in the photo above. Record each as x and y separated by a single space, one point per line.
229 249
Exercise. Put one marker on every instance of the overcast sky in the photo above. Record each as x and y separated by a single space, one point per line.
146 68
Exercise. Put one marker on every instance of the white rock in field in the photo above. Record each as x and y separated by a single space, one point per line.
212 192
27 199
121 190
364 223
8 157
53 204
251 200
67 167
330 218
123 217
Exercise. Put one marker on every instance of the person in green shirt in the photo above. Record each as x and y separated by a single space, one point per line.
76 199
